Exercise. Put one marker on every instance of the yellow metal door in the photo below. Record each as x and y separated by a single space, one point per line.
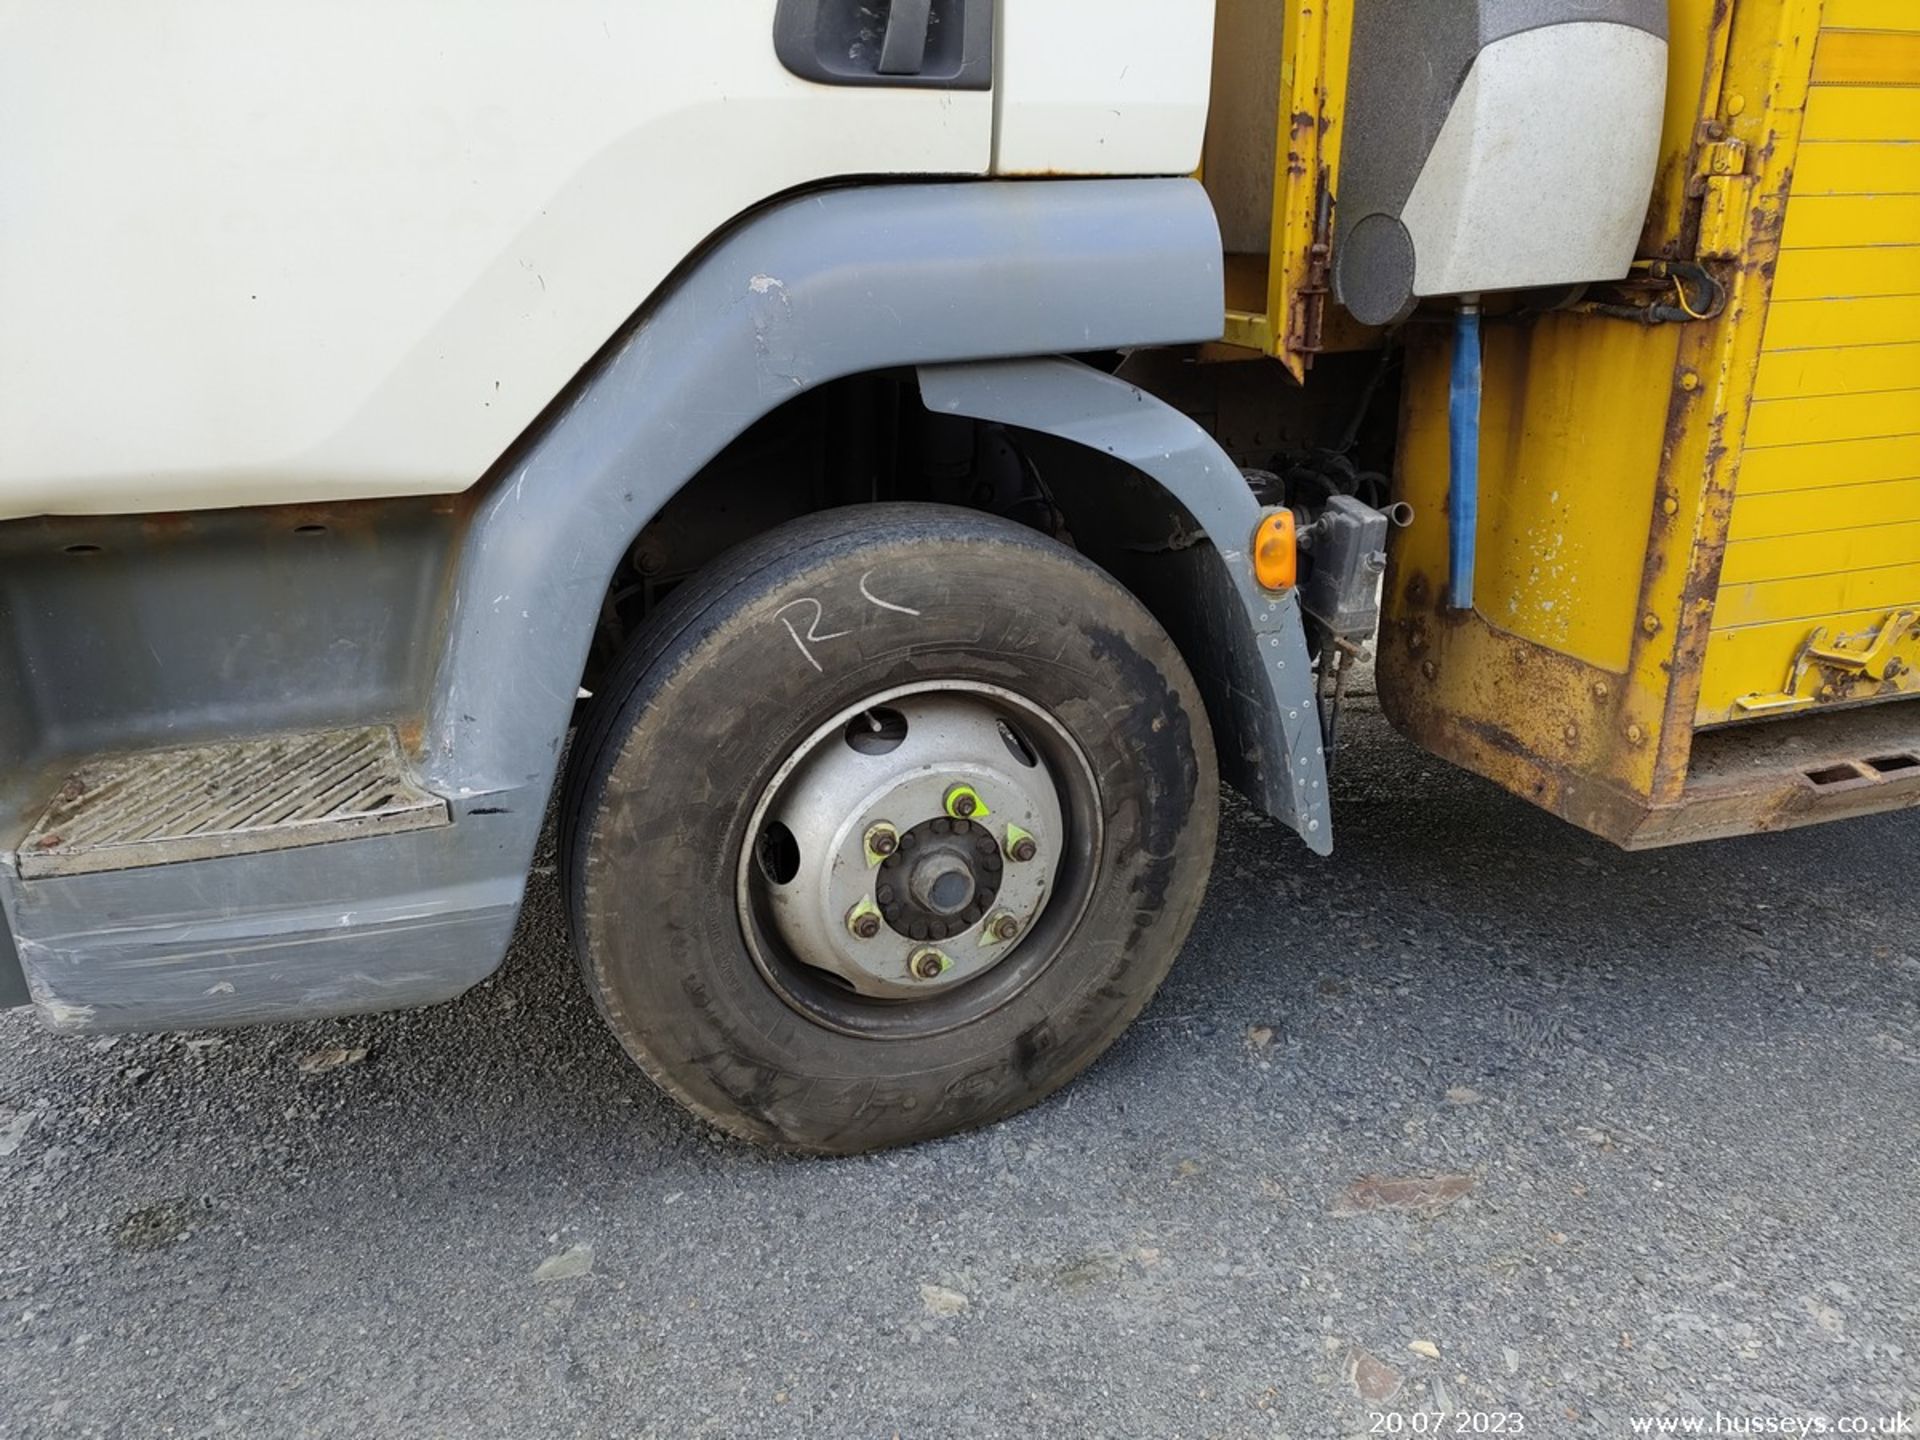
1823 555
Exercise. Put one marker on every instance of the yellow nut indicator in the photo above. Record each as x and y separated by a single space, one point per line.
1276 554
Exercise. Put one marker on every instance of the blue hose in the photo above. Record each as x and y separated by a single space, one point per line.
1463 454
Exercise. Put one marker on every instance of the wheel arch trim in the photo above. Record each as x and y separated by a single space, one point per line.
813 289
1246 645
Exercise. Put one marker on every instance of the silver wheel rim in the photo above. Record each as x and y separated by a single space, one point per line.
930 843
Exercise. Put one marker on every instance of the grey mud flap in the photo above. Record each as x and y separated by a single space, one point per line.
1188 562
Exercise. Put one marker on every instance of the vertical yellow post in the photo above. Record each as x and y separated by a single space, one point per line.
1313 86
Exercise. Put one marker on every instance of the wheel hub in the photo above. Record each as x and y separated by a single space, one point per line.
941 880
884 847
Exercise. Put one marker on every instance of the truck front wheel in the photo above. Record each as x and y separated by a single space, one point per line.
886 827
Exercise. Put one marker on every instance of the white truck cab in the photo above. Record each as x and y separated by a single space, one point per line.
257 255
391 391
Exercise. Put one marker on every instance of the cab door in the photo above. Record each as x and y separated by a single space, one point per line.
331 248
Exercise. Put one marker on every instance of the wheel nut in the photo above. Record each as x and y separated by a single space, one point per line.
964 802
1004 927
928 964
882 841
1020 847
863 919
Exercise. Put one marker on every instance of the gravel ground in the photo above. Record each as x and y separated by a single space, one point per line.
1662 1109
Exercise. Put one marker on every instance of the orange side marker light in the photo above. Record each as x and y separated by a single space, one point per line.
1276 554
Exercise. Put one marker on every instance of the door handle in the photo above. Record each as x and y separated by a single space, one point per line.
938 44
903 50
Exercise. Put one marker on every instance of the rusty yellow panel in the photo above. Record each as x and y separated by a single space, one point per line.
1857 167
1815 597
1871 15
1834 417
1563 522
1849 273
1839 370
1800 324
1867 57
1862 112
1828 221
1786 513
1820 552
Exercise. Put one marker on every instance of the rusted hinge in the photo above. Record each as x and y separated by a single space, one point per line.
1724 189
1306 321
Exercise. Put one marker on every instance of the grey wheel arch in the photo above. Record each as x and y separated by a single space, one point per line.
1188 560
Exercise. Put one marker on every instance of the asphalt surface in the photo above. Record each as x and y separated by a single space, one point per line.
1678 1089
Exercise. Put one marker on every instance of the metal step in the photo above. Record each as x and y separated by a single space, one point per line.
157 807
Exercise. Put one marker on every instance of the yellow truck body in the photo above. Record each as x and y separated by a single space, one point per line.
1698 608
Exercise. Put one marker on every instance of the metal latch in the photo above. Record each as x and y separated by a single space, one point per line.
1723 187
1843 668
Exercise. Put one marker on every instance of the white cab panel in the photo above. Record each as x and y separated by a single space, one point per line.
1541 171
1102 87
312 249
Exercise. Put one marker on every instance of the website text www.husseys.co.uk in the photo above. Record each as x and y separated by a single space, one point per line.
1722 1423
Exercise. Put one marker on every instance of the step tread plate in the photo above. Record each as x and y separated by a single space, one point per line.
159 807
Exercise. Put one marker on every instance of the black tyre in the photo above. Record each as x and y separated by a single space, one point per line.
886 827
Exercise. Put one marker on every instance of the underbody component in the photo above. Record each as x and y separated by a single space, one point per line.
1347 542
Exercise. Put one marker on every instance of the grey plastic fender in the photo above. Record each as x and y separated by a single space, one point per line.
1245 644
813 289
